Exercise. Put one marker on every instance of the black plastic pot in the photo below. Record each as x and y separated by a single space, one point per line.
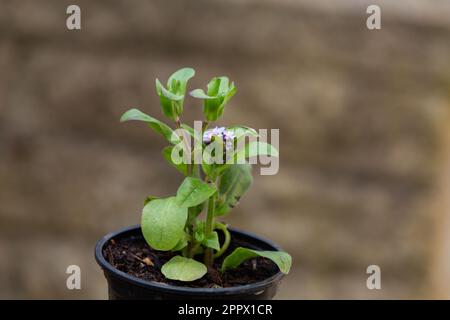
122 286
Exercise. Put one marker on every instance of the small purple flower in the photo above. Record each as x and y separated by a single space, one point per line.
217 131
227 136
207 136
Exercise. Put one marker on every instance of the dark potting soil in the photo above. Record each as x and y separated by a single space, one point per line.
133 256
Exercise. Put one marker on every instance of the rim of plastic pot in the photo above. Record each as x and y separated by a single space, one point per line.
167 288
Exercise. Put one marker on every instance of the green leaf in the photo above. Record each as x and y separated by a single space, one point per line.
183 269
182 76
195 211
240 131
212 88
213 159
212 241
234 182
200 94
166 93
223 86
218 93
194 191
251 149
282 259
182 243
172 98
199 234
169 101
189 129
149 198
208 169
196 152
208 165
193 133
167 154
255 148
158 126
231 92
163 223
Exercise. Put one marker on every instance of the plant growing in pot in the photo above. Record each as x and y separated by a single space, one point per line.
181 249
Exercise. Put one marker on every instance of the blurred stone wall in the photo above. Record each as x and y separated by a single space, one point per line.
363 127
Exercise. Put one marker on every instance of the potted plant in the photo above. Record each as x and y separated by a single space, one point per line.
175 253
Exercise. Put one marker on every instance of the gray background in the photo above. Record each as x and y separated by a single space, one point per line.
363 118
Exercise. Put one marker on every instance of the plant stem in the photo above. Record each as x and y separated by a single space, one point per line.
192 249
209 227
227 240
205 126
189 229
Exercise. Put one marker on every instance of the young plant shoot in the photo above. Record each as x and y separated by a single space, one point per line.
217 174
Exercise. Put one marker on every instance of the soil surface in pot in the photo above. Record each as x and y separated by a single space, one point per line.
133 256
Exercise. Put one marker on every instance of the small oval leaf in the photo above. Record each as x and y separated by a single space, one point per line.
255 148
194 191
167 154
182 75
163 223
234 182
183 269
199 94
212 241
282 259
148 199
182 243
240 131
166 93
158 126
219 92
